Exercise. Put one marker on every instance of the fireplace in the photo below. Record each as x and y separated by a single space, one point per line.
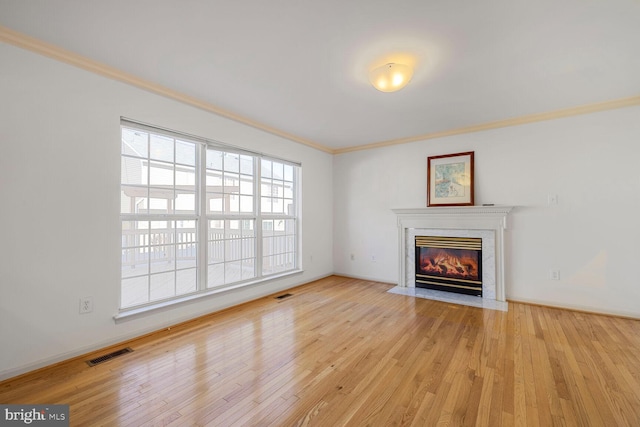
487 223
452 264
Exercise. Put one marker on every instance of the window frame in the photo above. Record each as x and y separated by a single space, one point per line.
204 217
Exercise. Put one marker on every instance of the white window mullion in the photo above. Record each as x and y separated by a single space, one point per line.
296 214
257 190
147 246
173 249
202 223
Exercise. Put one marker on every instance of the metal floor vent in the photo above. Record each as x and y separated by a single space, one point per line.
109 356
283 296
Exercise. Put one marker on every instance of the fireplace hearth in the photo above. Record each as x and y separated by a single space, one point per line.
452 264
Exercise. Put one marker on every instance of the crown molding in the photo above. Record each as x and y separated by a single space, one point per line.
38 46
516 121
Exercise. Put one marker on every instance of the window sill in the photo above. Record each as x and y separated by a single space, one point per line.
130 313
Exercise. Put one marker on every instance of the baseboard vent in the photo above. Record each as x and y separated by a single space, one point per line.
109 356
283 296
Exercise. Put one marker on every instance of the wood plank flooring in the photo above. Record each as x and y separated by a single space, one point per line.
344 352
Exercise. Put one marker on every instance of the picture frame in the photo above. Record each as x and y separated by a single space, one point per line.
450 179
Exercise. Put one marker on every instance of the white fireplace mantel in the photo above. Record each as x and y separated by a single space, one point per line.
466 219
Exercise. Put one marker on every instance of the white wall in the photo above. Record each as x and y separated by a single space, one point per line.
59 207
591 236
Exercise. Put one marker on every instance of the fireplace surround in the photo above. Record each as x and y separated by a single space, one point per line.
484 222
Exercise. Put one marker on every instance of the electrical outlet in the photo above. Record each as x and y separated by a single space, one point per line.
554 274
353 257
552 199
373 258
86 305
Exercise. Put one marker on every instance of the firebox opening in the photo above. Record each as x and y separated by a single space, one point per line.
452 264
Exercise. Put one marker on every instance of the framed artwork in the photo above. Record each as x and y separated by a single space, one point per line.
450 180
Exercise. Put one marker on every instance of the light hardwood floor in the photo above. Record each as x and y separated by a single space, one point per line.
345 352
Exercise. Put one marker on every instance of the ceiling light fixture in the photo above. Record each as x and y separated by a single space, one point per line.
390 77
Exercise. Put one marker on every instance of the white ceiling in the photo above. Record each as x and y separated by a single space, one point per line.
301 66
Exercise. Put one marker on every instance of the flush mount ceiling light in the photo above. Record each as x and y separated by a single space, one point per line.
390 77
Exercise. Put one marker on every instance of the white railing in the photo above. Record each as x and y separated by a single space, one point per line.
158 245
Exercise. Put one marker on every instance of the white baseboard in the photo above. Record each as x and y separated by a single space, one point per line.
370 279
552 304
577 307
48 361
13 372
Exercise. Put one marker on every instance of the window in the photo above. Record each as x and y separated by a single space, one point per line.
231 236
278 227
199 216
